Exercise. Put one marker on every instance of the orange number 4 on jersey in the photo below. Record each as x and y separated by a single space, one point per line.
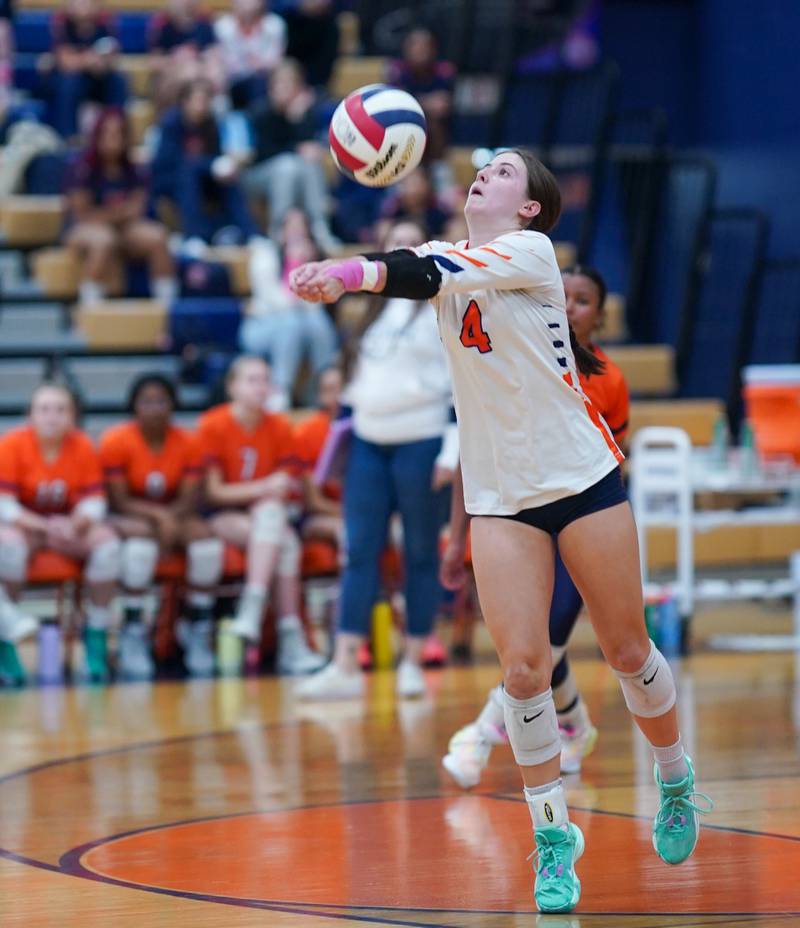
472 333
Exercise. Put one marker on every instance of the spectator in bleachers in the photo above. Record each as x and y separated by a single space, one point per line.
248 455
252 42
153 478
314 38
431 81
51 497
280 327
414 200
6 55
85 50
197 165
403 454
288 168
182 48
323 504
107 201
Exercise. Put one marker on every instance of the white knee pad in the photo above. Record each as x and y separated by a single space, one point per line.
289 558
532 728
269 522
138 563
103 565
650 691
204 562
13 561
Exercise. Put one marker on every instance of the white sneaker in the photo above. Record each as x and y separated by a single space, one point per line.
575 745
331 683
295 657
249 616
135 662
195 639
410 681
14 623
467 755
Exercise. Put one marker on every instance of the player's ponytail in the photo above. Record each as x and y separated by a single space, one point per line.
543 188
586 362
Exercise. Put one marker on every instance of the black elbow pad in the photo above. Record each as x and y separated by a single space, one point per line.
412 278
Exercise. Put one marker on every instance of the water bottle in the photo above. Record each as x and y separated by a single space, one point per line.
669 622
230 651
51 666
748 459
382 646
719 443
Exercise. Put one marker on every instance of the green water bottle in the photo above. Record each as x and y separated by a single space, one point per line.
748 456
719 443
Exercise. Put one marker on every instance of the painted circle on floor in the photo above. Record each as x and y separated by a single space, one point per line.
453 853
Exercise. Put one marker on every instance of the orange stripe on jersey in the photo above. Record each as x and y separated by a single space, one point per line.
493 252
455 251
594 415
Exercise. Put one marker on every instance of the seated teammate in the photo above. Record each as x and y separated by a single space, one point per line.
51 496
470 747
152 470
247 452
323 504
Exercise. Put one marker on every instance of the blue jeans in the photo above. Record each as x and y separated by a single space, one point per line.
67 90
379 480
205 205
285 336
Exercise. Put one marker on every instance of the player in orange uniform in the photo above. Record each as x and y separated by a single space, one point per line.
470 747
323 503
51 496
247 454
153 473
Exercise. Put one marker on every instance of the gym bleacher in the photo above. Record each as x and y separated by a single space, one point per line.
691 289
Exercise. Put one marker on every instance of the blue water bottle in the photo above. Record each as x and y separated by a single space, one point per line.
669 627
51 668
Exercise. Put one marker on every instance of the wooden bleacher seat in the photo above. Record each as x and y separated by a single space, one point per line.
31 220
649 369
141 116
138 72
352 72
565 254
349 33
613 328
123 324
730 545
58 274
695 417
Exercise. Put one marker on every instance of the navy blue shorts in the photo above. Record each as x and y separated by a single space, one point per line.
555 517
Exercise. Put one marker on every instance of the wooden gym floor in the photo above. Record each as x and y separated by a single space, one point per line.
223 803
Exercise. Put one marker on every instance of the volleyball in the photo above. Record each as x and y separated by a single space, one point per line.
377 135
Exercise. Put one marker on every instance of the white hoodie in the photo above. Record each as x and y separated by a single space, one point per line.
401 390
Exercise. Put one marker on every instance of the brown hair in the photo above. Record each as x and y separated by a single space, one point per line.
242 361
543 188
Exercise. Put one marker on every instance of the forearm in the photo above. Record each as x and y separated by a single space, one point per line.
139 508
236 494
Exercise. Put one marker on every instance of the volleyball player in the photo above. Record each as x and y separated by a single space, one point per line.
537 460
152 471
248 453
51 497
470 747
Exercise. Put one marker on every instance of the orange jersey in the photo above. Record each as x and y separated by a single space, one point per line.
310 437
609 393
241 454
156 476
49 487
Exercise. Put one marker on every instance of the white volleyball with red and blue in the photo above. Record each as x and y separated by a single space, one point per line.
377 135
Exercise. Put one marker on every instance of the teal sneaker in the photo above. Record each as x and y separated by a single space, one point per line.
12 673
557 887
677 826
96 643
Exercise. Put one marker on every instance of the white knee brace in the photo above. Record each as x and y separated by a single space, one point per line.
289 558
532 728
650 691
269 522
204 562
103 564
139 558
13 561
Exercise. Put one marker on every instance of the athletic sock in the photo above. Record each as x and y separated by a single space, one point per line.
574 717
547 805
671 761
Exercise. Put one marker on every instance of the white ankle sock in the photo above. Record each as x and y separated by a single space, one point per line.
574 717
289 623
547 805
671 762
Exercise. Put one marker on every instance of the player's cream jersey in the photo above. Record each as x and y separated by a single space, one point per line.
528 434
